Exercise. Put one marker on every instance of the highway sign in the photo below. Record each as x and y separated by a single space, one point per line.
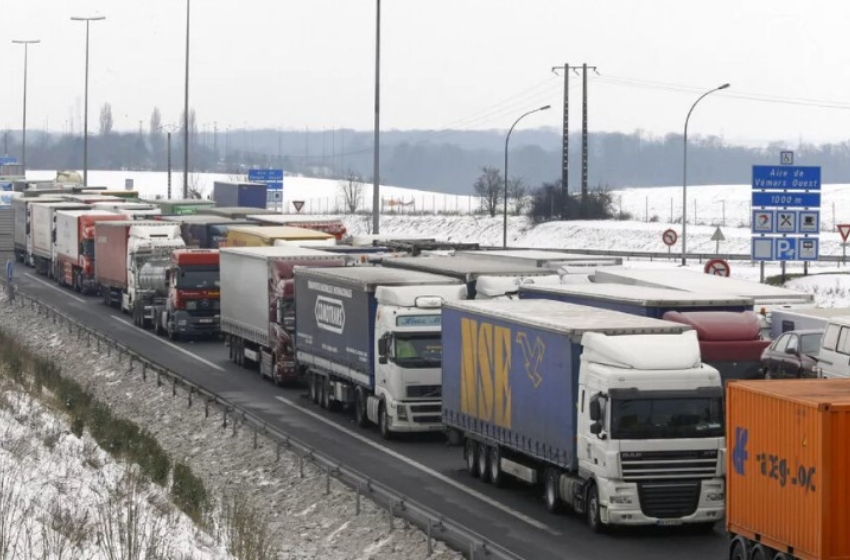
785 177
265 175
786 221
718 235
787 199
785 248
8 160
844 230
272 178
786 157
763 221
717 267
808 221
670 237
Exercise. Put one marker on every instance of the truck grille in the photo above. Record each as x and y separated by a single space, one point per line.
430 419
667 500
670 465
425 408
424 391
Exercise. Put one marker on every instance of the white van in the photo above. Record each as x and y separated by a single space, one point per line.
834 355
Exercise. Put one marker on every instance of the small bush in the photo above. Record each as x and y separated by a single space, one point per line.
189 493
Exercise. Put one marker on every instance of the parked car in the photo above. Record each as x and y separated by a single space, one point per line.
792 355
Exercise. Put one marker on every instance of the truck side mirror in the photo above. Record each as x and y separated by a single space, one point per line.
596 428
595 410
792 351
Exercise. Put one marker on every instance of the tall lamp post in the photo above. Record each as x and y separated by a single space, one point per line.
376 163
168 128
186 109
26 45
88 21
685 174
507 140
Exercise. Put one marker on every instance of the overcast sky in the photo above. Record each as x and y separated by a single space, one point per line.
474 64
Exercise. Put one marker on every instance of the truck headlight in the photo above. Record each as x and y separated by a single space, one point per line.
401 412
714 497
620 499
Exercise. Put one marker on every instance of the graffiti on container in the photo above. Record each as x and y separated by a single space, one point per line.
739 450
533 354
777 468
485 367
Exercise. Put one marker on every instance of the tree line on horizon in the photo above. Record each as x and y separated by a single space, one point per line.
441 161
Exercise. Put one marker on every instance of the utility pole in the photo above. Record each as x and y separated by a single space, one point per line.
584 69
376 164
215 142
186 108
565 152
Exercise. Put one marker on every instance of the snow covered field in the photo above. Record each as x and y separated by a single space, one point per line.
45 472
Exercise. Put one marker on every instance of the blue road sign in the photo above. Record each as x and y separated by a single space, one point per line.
785 248
265 176
274 185
8 160
786 199
792 177
10 268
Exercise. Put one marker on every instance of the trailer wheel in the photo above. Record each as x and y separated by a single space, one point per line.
238 352
594 520
738 550
782 556
496 477
384 422
761 552
313 381
360 408
172 332
470 453
483 462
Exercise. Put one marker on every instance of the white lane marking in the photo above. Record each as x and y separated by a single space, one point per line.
427 470
179 349
57 288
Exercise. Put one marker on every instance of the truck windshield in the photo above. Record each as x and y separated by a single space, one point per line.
418 351
198 278
665 418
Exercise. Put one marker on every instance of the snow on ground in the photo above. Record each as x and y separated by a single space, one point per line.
305 523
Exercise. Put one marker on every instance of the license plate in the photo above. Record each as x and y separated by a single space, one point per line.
669 522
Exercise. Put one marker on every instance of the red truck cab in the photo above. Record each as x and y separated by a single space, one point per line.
194 293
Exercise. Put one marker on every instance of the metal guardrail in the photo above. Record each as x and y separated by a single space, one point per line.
437 527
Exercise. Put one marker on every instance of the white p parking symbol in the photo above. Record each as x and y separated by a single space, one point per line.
784 248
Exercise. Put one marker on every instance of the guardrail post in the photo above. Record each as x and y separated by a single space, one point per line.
391 511
328 481
300 465
224 418
277 452
206 408
130 366
233 424
255 439
97 338
145 371
173 386
357 501
430 543
191 390
88 340
158 378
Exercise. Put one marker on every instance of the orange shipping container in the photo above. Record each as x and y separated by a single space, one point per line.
788 467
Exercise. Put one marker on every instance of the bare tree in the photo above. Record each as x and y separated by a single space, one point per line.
156 123
518 195
352 191
488 188
106 121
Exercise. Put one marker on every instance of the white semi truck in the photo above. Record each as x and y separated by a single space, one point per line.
612 414
369 337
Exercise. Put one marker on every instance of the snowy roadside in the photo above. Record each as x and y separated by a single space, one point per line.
305 522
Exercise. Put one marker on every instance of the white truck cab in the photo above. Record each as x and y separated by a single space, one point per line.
148 244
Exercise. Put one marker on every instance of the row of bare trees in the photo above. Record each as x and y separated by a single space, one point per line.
490 189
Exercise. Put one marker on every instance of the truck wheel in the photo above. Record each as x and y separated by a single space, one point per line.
470 453
172 332
384 422
738 550
496 477
313 382
360 408
327 402
592 504
551 478
761 552
483 462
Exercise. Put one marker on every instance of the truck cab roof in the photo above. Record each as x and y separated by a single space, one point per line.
465 268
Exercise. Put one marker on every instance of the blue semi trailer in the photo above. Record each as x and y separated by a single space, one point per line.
614 414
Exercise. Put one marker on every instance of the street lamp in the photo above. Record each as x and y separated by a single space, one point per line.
26 45
376 166
186 110
508 139
88 21
685 175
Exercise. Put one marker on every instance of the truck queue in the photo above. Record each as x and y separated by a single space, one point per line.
628 397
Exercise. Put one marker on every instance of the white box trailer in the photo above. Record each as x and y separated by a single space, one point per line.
43 231
21 206
544 259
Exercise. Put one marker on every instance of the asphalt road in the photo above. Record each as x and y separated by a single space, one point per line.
423 468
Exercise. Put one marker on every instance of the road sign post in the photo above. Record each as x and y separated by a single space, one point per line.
718 237
844 230
669 237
